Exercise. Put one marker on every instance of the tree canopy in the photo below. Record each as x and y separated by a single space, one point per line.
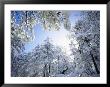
47 59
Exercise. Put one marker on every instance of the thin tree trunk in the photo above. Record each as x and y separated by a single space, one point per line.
95 65
46 73
26 16
49 68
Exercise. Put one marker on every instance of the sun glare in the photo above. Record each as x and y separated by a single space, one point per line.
60 39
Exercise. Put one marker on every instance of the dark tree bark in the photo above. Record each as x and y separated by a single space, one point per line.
46 73
95 65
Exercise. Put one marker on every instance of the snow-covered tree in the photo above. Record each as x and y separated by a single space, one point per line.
22 23
17 46
46 60
87 34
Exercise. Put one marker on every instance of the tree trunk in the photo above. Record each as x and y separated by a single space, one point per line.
49 68
46 73
95 65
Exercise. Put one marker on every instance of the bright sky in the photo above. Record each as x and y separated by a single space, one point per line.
58 38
